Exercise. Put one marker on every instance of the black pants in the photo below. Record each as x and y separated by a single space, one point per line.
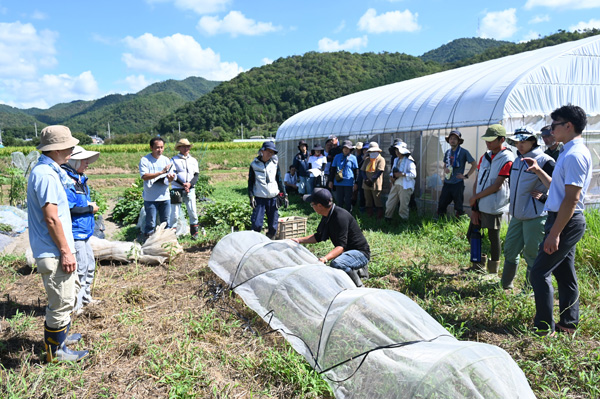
452 192
561 264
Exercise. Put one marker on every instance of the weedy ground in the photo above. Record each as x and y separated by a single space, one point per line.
173 331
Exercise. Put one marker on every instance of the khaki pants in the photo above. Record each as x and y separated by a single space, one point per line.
61 289
398 197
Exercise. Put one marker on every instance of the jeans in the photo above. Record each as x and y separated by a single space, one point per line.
152 207
266 206
350 260
302 185
189 199
561 264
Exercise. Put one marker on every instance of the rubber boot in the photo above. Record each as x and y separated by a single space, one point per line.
492 266
369 211
194 231
508 275
56 350
73 338
380 213
479 266
355 279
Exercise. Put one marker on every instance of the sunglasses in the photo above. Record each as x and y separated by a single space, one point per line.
553 125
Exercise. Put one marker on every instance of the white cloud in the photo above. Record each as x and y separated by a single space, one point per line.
38 15
137 83
234 23
24 50
340 27
266 61
326 44
176 56
48 90
499 24
531 35
539 19
565 4
591 24
197 6
393 21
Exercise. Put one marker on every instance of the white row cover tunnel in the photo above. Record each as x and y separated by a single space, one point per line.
368 343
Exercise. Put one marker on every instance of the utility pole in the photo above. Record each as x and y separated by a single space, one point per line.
179 128
242 125
108 129
35 124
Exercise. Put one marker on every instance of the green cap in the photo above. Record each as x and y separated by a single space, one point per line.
493 132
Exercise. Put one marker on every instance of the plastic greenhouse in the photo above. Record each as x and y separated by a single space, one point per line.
518 90
367 343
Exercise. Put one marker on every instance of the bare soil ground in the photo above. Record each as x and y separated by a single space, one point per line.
145 310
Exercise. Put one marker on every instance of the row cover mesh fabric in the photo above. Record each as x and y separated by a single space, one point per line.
367 343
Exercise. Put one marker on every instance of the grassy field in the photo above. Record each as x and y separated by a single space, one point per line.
171 331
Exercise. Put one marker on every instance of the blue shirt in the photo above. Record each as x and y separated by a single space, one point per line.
347 166
574 168
457 160
155 190
44 187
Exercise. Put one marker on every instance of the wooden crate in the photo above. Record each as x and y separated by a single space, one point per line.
290 227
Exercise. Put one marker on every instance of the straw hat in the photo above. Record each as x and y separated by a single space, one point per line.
56 137
182 142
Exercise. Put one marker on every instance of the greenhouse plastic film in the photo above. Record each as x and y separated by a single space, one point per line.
368 343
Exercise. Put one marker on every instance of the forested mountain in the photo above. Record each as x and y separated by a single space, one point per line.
264 97
189 89
461 49
129 113
514 48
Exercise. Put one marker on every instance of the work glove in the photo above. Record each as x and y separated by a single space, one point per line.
252 202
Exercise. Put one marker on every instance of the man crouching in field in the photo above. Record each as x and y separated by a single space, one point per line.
51 239
351 251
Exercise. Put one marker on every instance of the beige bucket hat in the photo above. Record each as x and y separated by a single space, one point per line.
56 137
182 142
374 147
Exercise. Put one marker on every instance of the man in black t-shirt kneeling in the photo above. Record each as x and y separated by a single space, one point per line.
351 251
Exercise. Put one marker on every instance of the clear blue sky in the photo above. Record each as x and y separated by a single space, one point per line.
60 51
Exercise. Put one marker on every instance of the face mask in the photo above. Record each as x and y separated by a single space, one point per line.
373 155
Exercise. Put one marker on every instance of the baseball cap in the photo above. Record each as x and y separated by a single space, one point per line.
319 196
547 131
493 132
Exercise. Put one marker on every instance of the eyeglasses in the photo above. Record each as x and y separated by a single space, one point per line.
553 125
